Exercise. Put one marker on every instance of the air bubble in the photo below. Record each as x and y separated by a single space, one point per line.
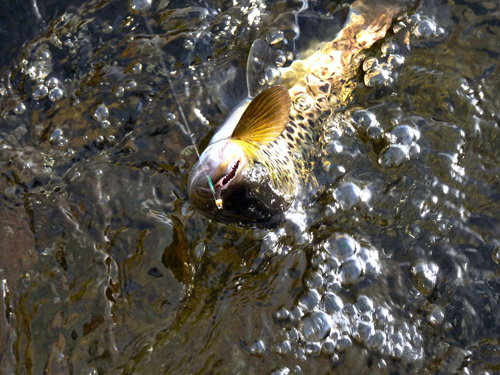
395 61
425 29
56 94
272 75
140 5
313 279
377 340
130 85
313 349
44 55
333 303
100 112
20 108
137 68
351 271
280 60
364 119
107 29
258 348
342 247
309 300
364 304
55 135
170 118
105 124
348 195
315 326
436 316
343 343
119 91
403 134
40 92
390 48
393 155
377 76
284 347
328 346
424 276
375 133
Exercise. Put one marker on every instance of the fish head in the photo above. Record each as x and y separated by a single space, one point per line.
243 183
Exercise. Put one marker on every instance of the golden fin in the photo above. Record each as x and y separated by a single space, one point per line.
265 118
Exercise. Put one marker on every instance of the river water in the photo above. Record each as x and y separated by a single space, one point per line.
105 268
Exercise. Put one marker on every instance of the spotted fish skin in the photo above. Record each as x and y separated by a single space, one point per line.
317 86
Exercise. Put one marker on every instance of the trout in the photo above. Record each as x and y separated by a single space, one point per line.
263 156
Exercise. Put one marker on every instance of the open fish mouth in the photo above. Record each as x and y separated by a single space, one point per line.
224 181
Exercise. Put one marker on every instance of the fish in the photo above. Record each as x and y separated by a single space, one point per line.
263 157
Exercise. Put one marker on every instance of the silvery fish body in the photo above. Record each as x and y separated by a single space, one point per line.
265 153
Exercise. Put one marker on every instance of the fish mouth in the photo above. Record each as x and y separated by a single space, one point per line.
204 189
225 180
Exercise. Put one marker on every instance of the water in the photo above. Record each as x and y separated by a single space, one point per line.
107 269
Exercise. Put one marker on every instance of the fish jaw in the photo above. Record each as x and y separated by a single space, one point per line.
243 184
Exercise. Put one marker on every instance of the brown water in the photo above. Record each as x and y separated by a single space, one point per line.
107 269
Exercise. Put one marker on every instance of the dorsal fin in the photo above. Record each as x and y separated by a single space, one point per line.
266 116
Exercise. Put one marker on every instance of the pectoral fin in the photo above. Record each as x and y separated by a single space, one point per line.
266 117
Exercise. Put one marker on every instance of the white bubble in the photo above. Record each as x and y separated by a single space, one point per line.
375 133
309 300
425 29
20 108
342 247
436 316
377 76
137 68
395 61
333 303
402 134
364 304
56 94
393 155
258 348
140 5
424 276
100 112
315 326
119 91
348 195
351 271
130 85
364 119
390 48
40 92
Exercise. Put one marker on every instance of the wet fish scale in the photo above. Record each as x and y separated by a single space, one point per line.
320 84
